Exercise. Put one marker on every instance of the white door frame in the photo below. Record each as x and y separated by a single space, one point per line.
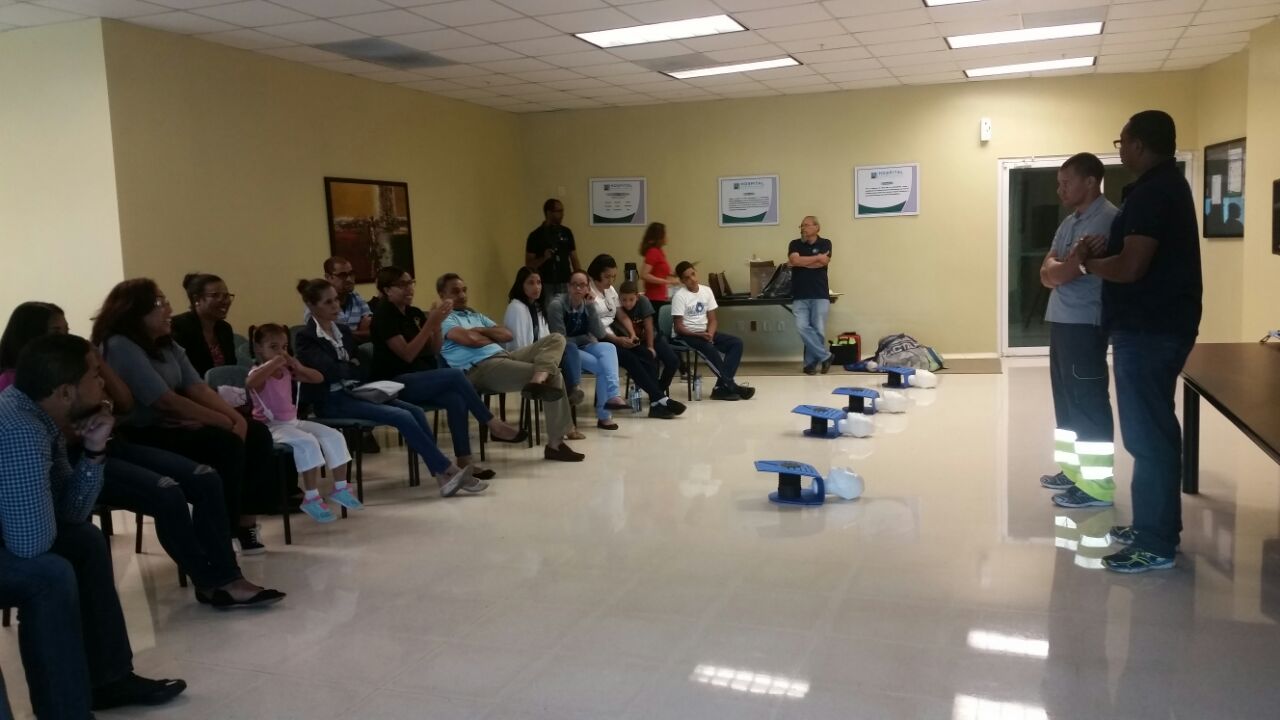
1003 166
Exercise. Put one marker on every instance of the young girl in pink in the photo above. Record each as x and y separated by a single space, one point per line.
270 385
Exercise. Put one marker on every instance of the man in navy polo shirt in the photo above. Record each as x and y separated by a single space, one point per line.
1151 305
809 255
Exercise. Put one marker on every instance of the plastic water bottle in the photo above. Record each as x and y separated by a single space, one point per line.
635 398
697 387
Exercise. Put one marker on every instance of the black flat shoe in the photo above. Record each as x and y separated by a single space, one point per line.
222 600
606 425
543 391
520 437
485 474
133 689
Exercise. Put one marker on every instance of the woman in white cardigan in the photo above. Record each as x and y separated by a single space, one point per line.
526 318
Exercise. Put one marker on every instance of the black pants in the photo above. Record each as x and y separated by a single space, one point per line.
249 481
71 631
1080 381
662 364
723 355
641 372
161 484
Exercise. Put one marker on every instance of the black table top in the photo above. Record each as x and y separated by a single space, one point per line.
747 301
1241 380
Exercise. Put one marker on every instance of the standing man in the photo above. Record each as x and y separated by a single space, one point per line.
54 564
809 255
355 313
1151 304
550 250
1084 441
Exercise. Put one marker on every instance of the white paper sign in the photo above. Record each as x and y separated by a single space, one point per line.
886 190
618 201
748 201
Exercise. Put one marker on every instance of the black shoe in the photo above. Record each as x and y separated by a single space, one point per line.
249 543
222 600
675 406
519 437
724 393
369 444
744 392
562 454
135 690
810 369
826 364
662 412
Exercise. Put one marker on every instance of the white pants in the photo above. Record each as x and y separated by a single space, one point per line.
313 444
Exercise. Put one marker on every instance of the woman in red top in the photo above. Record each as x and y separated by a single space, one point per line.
656 274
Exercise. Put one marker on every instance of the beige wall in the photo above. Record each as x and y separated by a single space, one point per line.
935 275
58 218
1262 166
220 155
1221 98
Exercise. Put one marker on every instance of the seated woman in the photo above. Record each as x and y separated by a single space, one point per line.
405 343
328 346
574 316
203 331
526 318
618 330
176 411
157 483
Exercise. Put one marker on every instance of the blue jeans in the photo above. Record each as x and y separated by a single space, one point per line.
71 632
450 389
811 321
571 366
601 359
1147 367
405 417
723 355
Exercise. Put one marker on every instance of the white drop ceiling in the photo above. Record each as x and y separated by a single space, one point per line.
521 56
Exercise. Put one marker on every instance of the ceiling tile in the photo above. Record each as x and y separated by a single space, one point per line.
577 84
778 17
1133 57
784 72
1203 40
589 20
1186 52
543 76
925 69
24 15
1233 14
894 35
856 8
823 43
432 85
314 32
253 13
856 75
1125 48
827 56
182 23
576 104
246 39
827 68
667 10
511 30
648 76
477 54
467 94
1130 68
994 23
189 4
514 66
334 8
1227 27
454 72
1226 4
467 12
649 51
489 80
767 92
580 59
742 38
349 66
527 108
302 53
950 76
1149 23
557 45
552 7
1152 8
779 83
885 21
500 102
897 62
756 52
823 28
903 48
390 76
867 84
810 89
520 89
1141 36
971 12
610 69
105 8
433 40
610 91
391 22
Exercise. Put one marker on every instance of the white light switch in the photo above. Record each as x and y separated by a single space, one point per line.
984 130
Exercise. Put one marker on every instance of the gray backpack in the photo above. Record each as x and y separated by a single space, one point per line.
905 351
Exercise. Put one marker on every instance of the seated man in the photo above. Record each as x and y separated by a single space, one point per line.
473 344
55 566
693 310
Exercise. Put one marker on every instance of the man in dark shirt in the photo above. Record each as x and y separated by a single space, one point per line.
551 251
809 255
1151 305
390 322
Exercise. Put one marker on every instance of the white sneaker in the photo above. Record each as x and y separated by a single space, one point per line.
450 487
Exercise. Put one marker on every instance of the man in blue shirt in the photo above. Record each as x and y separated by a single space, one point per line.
809 255
55 566
355 313
1151 305
1084 439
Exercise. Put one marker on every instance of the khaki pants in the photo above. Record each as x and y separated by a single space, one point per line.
510 372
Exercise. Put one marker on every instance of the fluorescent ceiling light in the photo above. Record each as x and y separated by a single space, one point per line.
787 61
1008 644
658 32
1031 67
750 682
1052 32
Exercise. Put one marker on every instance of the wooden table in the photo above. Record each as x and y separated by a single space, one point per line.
1241 380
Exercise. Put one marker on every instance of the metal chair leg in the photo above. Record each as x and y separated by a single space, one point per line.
5 620
137 536
282 475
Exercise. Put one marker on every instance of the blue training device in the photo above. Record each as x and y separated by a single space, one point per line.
861 400
820 419
897 375
789 490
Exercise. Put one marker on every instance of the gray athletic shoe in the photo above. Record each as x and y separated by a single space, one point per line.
1077 498
1123 534
1057 482
450 487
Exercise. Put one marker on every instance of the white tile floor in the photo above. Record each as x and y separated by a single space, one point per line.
655 581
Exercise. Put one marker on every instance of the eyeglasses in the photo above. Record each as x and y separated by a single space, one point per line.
343 275
1117 143
162 302
229 297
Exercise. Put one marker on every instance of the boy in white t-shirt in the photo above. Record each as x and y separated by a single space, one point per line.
693 309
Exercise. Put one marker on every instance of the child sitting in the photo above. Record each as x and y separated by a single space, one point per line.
270 385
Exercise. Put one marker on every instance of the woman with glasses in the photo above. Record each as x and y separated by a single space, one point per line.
203 331
175 410
406 341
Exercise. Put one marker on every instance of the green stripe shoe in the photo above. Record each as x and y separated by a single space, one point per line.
1132 560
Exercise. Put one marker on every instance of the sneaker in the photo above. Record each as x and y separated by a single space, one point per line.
676 407
661 411
344 498
724 393
1074 497
1057 482
317 510
826 364
249 543
746 392
450 486
1123 534
1132 560
810 369
476 486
